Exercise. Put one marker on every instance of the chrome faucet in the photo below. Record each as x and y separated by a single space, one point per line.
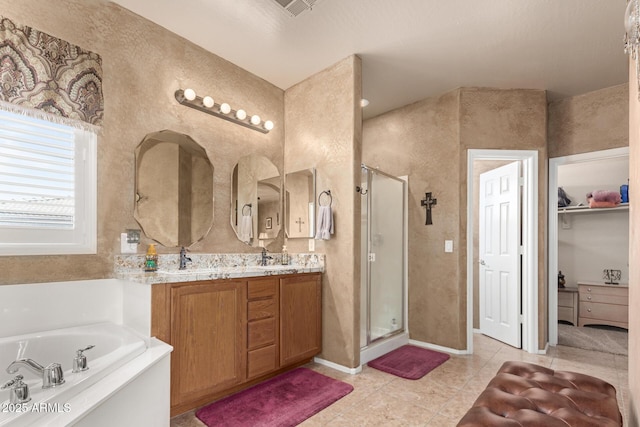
184 259
19 391
263 262
52 375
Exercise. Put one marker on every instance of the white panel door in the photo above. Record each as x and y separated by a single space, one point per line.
499 254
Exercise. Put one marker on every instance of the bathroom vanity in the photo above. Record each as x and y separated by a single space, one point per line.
229 334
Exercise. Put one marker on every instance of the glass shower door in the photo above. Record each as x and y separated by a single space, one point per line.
385 255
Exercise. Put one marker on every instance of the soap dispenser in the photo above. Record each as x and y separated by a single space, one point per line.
151 259
285 256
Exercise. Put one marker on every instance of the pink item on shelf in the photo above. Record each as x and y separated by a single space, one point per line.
594 204
605 196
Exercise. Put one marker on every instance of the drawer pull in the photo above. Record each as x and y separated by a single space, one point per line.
589 310
588 289
589 297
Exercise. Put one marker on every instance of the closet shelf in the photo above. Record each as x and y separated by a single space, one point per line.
583 209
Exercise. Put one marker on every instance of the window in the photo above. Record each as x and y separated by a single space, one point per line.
47 187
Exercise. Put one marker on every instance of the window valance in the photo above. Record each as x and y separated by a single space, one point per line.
44 75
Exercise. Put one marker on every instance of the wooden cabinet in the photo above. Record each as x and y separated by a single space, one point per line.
602 304
232 333
568 305
207 329
300 318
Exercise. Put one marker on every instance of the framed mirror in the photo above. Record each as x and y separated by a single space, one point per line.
300 204
174 189
256 203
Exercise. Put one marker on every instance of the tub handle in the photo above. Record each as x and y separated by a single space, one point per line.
80 361
19 392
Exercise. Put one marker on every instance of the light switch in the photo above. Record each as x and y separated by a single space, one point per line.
127 248
312 245
448 245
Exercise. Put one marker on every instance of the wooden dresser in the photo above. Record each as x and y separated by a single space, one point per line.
568 305
602 304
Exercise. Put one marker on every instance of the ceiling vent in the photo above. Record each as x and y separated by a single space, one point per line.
296 7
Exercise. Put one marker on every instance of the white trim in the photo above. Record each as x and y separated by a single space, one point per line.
337 367
529 160
438 347
552 241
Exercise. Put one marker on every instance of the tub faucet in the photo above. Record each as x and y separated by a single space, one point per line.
52 375
184 259
19 391
264 259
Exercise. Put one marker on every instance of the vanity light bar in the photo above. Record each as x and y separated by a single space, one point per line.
189 98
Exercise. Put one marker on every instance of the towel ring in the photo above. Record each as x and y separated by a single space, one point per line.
247 205
328 193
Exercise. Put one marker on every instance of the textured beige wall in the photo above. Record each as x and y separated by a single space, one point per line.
428 141
323 130
510 120
634 248
594 121
421 141
143 65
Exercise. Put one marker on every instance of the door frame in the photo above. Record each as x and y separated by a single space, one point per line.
529 160
552 271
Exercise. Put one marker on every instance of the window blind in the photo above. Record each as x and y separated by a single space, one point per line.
37 173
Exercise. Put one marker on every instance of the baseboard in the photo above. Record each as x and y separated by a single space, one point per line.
438 347
338 367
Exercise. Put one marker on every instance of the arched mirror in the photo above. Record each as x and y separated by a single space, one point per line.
174 189
255 200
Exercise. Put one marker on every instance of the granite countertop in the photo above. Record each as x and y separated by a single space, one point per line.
212 266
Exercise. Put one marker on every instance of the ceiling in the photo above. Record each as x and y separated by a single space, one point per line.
412 49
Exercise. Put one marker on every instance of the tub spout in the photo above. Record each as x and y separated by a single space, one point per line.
52 374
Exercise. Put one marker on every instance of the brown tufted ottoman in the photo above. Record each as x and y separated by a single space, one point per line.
524 394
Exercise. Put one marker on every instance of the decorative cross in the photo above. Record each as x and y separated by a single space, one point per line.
429 202
299 222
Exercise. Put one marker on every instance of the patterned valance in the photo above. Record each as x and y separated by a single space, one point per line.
42 72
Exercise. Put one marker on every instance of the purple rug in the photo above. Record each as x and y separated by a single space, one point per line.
285 400
409 362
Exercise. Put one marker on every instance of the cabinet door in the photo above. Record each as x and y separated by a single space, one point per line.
208 335
300 318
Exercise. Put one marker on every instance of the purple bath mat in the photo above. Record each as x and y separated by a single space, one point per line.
285 400
409 362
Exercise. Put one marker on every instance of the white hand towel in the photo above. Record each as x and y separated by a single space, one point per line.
324 229
246 229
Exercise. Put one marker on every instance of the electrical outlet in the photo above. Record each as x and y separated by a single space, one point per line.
125 247
448 246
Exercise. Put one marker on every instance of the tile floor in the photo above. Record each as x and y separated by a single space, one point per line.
443 396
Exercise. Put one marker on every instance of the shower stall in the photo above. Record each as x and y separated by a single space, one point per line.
383 309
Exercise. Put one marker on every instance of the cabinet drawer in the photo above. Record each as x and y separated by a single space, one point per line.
606 299
261 332
262 288
603 290
612 312
261 309
261 361
565 299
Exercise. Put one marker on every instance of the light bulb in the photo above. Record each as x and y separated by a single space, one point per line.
207 101
225 108
364 102
241 114
268 125
189 94
255 119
